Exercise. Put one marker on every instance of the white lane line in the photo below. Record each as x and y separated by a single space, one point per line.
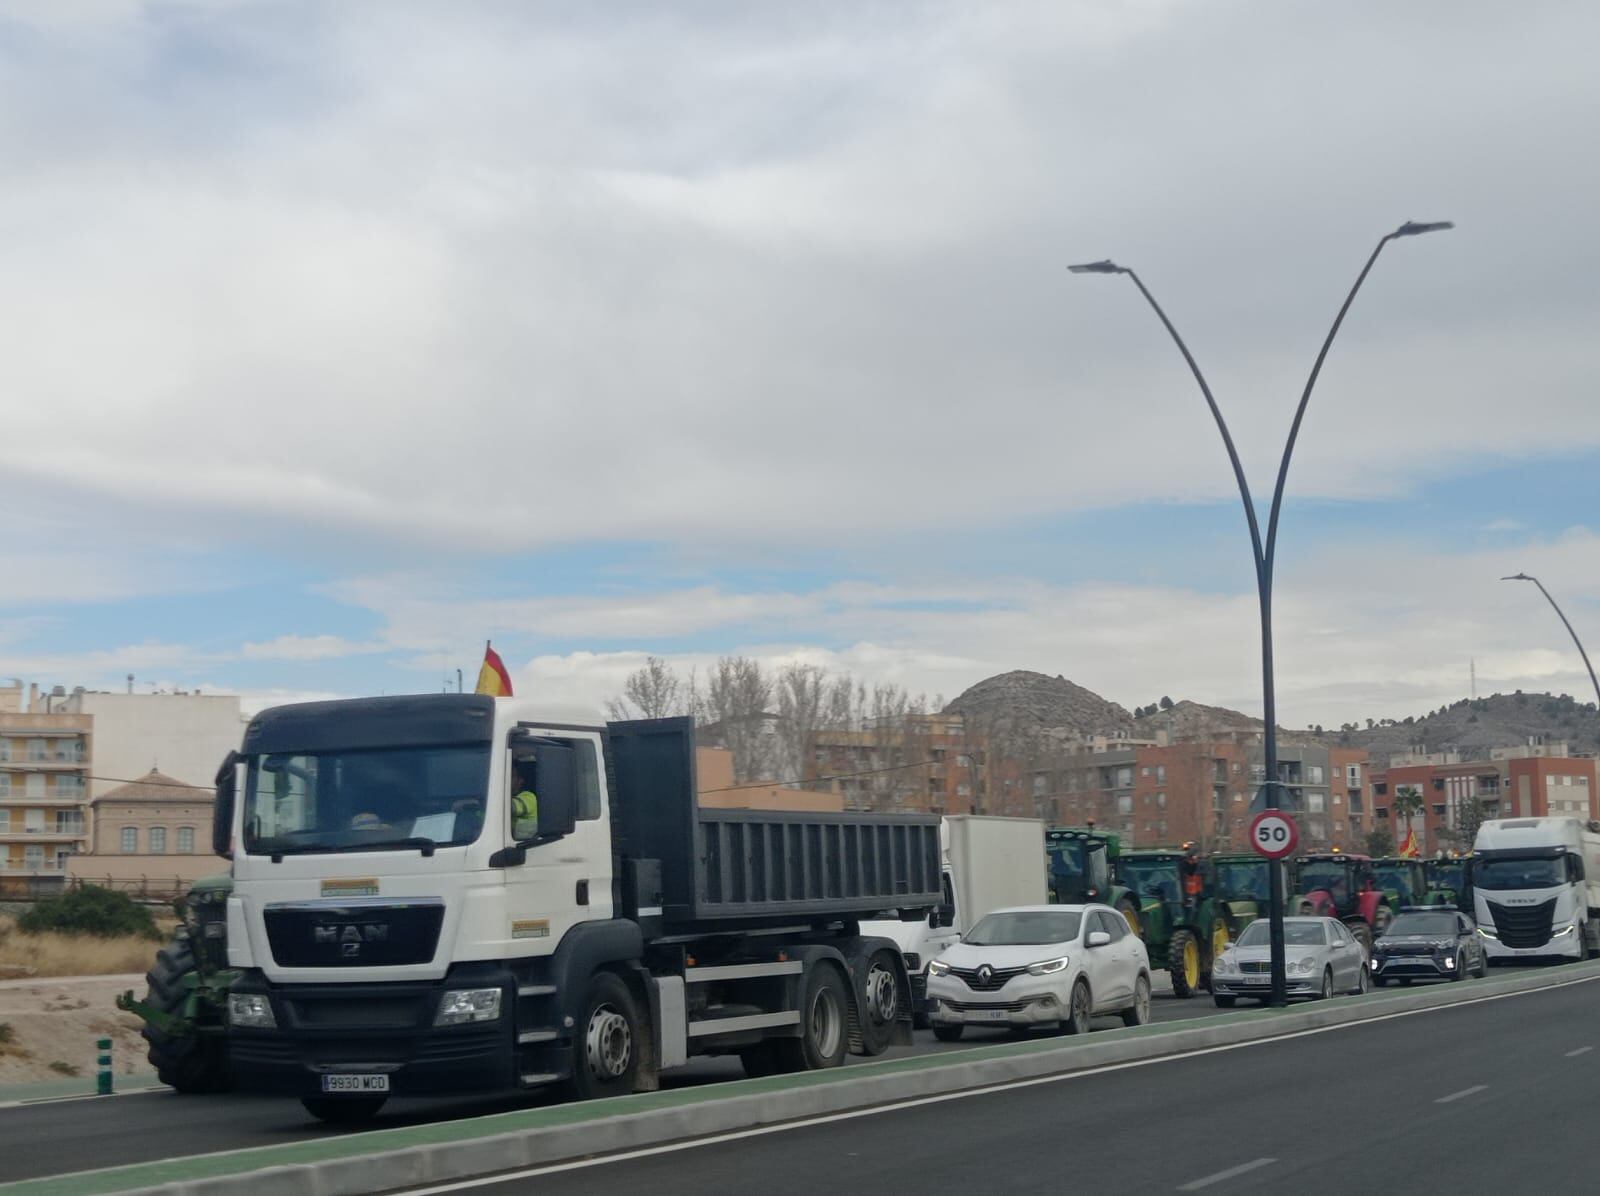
1445 1100
1579 1051
1195 1185
62 1100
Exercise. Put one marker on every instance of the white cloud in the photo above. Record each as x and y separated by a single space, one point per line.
307 647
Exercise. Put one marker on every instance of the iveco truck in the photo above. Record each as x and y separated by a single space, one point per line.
401 926
1536 884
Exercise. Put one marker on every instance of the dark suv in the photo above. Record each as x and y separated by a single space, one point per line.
1428 942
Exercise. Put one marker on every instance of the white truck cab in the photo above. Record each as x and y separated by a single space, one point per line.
1536 884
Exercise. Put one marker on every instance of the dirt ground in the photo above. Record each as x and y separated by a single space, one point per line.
53 1025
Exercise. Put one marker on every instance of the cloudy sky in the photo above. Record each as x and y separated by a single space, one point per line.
340 338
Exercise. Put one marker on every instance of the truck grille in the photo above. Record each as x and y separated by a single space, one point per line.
996 978
353 935
1523 925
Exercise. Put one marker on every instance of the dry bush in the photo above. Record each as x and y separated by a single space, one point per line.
47 955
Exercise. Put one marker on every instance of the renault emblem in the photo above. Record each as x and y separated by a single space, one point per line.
985 974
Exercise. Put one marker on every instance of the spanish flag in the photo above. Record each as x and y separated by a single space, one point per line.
492 677
1408 848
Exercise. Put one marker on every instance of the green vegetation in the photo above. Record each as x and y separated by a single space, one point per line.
90 910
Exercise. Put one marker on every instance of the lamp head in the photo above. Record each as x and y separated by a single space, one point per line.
1415 228
1102 267
1517 577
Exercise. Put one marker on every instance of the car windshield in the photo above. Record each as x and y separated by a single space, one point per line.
1150 878
1025 928
1513 873
1295 934
375 800
1432 925
1398 878
1244 881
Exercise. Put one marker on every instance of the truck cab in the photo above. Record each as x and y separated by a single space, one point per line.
1536 888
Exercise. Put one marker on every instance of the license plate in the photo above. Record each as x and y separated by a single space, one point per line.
355 1083
1257 979
986 1015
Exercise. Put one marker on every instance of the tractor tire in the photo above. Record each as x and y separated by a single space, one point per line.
343 1110
1129 909
1381 920
1183 963
194 1063
948 1033
1362 933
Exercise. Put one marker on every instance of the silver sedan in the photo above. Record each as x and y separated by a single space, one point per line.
1321 956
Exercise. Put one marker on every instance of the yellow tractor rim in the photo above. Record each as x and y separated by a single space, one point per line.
1191 963
1131 915
1219 939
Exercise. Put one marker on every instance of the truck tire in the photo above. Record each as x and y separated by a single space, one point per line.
605 1040
882 1004
343 1110
1184 963
824 1024
191 1063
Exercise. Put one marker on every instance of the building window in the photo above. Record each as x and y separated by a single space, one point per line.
1161 800
1314 803
69 786
5 822
1352 775
1438 810
1314 774
33 857
1161 773
130 840
35 784
158 840
36 750
1125 804
5 784
69 822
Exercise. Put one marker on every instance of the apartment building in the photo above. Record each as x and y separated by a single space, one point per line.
931 763
153 829
45 760
1536 781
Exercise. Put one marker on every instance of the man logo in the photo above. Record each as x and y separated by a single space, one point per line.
351 937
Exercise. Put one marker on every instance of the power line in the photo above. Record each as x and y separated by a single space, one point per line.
839 776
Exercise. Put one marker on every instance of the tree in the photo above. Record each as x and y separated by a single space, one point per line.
654 691
1407 804
805 706
1380 842
1166 703
1466 816
737 700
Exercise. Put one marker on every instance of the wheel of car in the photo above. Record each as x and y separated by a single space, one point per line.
1363 980
1327 984
1078 1011
1139 1013
1461 968
1483 965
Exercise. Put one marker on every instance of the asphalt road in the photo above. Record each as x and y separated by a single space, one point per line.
87 1133
1488 1097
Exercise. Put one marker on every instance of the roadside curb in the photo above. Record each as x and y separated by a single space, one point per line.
361 1164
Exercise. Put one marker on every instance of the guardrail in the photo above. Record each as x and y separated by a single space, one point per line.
37 885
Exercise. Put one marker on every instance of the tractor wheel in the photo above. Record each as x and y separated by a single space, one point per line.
1219 944
1381 919
1362 933
1183 963
1129 909
191 1063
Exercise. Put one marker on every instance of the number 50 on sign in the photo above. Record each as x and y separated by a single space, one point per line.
1274 834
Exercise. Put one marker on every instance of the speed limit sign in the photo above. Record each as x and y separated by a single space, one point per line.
1274 834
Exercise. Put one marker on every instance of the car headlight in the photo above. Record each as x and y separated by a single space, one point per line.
1224 964
1487 933
938 967
251 1009
1305 965
1449 962
1049 967
468 1005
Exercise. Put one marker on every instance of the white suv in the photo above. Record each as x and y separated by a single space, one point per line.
1040 965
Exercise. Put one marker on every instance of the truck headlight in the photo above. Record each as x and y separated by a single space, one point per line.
251 1009
468 1005
937 967
1563 931
1049 967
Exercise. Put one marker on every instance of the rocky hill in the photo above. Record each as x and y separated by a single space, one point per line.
1026 702
1473 727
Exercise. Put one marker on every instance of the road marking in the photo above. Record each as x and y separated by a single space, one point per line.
1445 1100
61 1100
1195 1185
1579 1051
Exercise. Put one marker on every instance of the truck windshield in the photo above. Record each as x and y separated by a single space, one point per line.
1519 874
1244 882
1150 878
388 799
1025 928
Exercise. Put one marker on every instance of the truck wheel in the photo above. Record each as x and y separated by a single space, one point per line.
948 1033
191 1063
882 1005
1183 963
343 1110
1139 1014
824 1021
605 1044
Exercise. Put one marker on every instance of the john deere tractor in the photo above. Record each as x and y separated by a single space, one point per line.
185 1007
1451 877
1343 886
1405 882
1079 863
1242 889
1179 921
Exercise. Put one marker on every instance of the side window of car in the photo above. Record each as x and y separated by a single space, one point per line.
1114 925
1338 936
1462 925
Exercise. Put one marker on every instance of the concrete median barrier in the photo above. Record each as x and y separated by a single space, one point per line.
386 1160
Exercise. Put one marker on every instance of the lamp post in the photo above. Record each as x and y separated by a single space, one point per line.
1563 618
1264 551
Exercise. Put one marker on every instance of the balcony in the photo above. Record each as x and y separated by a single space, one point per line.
18 798
12 868
19 834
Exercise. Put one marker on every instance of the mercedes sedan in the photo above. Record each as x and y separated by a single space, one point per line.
1322 958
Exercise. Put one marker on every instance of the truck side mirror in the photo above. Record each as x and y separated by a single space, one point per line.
555 788
222 810
942 915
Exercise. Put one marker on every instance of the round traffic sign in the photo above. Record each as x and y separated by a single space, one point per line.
1274 834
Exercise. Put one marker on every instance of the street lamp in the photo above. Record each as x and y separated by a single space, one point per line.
1264 552
1563 618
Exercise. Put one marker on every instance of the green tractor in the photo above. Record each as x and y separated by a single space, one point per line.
1405 882
1242 889
1450 877
1079 864
185 1007
1180 923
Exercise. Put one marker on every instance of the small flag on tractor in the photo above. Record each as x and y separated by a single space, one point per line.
492 677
